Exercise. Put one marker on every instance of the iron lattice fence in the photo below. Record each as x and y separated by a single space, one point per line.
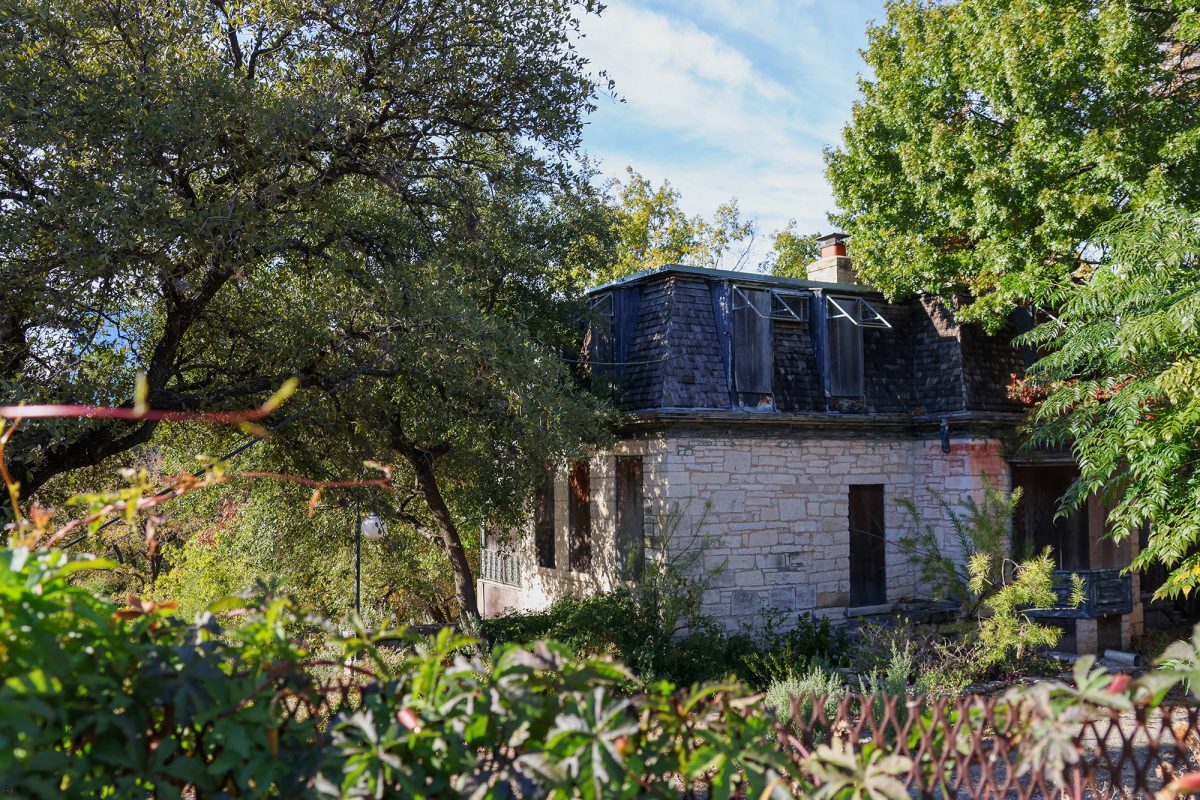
983 747
972 747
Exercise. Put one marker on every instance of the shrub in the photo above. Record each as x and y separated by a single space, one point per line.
780 654
617 625
895 677
982 530
992 589
98 700
816 682
102 701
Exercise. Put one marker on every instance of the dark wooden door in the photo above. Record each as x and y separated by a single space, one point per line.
1036 525
868 573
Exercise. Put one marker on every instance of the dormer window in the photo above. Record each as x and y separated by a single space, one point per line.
845 318
753 359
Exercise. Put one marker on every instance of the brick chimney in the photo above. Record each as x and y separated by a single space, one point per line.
834 265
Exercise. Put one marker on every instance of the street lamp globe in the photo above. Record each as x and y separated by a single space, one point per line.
373 527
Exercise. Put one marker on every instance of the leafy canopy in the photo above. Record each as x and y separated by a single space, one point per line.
993 137
191 187
1119 386
650 229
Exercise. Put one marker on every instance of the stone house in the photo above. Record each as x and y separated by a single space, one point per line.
777 421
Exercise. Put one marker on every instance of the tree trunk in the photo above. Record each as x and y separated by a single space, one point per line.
427 486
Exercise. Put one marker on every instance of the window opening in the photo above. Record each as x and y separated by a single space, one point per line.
631 519
844 348
602 352
784 306
579 518
753 356
543 522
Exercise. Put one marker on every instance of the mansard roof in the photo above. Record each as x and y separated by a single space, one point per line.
735 276
673 351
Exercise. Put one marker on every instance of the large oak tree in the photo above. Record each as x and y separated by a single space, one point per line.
218 194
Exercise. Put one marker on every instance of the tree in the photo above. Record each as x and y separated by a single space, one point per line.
1119 386
174 175
791 253
457 335
994 136
651 230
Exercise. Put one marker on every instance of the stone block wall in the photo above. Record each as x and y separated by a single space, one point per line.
774 511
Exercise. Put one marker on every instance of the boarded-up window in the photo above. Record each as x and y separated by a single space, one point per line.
752 358
868 575
1035 527
630 517
543 523
579 518
844 349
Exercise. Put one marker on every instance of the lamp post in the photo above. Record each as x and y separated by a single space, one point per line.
371 527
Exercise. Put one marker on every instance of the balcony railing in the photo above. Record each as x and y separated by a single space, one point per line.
499 567
1105 591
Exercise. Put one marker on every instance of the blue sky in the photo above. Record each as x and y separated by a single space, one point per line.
729 98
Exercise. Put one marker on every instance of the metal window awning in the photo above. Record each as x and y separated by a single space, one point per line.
602 304
867 317
785 306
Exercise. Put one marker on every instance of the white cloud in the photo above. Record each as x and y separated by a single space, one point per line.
734 100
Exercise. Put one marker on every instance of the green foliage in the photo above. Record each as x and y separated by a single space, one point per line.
101 701
777 654
817 682
791 253
990 587
1008 631
617 624
992 137
1119 382
96 699
897 675
651 230
217 195
868 774
982 531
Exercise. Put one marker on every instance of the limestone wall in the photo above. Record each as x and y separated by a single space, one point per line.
775 511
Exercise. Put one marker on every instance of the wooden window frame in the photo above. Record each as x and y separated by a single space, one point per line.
845 368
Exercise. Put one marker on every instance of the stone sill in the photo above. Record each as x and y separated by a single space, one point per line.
869 611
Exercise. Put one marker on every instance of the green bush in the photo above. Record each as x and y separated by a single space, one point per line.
994 591
618 625
816 682
98 700
102 701
778 655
